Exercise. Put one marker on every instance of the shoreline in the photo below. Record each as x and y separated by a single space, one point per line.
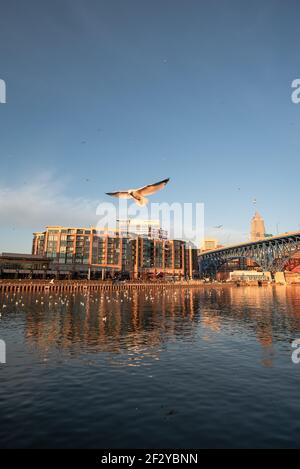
12 286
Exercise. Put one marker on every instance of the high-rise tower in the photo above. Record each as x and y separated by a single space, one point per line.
257 227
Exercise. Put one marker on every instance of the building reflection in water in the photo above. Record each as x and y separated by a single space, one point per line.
134 327
136 322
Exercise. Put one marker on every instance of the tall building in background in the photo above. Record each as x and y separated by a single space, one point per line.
257 227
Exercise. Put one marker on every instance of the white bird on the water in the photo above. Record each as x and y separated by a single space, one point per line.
138 195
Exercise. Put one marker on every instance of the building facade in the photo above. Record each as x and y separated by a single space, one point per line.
81 252
293 265
93 253
209 244
257 227
150 258
15 265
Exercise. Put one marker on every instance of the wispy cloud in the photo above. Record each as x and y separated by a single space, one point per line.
30 207
43 202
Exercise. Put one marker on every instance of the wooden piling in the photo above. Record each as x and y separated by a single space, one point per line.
38 286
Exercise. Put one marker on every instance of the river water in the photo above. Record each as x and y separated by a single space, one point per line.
206 367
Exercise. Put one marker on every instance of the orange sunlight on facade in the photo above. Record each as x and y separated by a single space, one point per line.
89 252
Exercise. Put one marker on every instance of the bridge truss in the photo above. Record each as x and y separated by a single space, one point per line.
271 254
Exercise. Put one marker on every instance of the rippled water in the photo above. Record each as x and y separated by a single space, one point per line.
209 367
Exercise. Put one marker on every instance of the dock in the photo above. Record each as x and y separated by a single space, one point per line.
24 286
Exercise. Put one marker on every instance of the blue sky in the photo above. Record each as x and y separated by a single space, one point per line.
105 95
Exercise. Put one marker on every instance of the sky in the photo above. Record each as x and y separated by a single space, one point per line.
108 95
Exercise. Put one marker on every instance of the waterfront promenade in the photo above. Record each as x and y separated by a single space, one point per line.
12 286
25 285
9 286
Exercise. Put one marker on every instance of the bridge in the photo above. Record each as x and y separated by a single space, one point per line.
271 254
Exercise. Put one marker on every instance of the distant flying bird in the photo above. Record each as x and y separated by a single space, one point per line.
139 194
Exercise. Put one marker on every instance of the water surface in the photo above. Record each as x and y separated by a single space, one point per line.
207 367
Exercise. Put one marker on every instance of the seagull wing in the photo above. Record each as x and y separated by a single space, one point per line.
152 188
119 195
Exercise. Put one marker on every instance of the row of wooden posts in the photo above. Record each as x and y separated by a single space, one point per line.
73 286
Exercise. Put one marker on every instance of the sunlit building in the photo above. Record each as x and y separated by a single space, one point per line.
209 244
81 251
93 253
155 258
257 227
293 264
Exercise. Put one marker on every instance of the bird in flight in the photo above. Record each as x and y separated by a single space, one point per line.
139 194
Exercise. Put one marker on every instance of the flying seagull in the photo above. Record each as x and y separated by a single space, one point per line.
139 194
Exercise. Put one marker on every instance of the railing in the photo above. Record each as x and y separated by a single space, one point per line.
9 286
